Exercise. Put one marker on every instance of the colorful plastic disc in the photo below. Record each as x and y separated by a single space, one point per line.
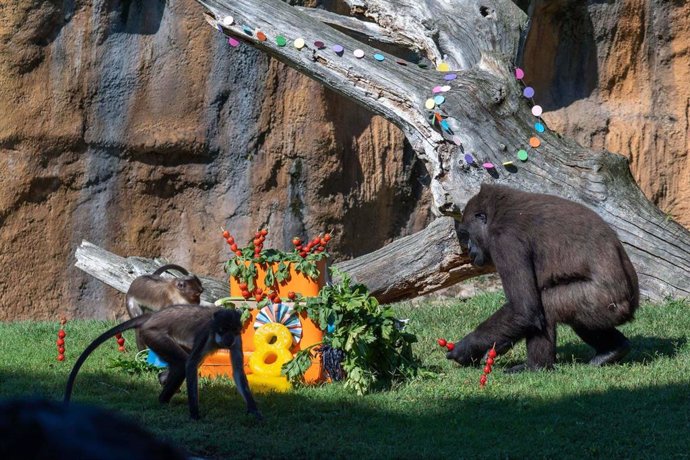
534 142
281 41
227 21
443 67
539 127
232 41
283 314
519 73
528 92
261 36
450 76
338 49
298 43
319 45
429 104
469 159
439 100
379 57
522 155
359 54
536 110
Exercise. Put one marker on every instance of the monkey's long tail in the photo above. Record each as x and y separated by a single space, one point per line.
168 267
131 324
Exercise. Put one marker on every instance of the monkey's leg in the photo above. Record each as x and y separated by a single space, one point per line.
171 353
173 383
610 344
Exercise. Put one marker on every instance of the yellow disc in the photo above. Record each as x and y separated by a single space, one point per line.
273 335
299 43
430 104
443 67
268 361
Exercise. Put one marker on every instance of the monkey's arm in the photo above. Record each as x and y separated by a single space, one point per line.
240 378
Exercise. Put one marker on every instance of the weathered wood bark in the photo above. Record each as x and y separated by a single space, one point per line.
480 40
417 264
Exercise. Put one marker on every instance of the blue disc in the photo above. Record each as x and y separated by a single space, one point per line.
539 127
379 57
439 100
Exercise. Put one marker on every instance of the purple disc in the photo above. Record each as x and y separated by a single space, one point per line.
338 49
528 92
450 76
233 42
469 159
319 45
519 73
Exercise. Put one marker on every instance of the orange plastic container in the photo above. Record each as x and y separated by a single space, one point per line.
218 363
297 282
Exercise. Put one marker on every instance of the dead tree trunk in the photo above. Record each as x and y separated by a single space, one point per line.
485 109
411 266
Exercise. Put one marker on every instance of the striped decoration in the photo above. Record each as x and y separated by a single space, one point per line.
280 313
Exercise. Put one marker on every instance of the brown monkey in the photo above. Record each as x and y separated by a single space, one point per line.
183 335
150 293
559 263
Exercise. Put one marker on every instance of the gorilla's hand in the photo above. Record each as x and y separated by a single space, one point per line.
468 351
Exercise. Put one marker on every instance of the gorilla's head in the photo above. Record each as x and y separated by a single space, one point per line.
473 231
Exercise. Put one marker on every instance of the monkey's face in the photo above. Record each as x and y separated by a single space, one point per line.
473 232
190 288
226 327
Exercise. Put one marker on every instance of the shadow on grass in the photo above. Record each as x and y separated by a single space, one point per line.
330 422
644 349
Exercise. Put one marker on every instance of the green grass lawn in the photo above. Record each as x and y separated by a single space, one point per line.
639 409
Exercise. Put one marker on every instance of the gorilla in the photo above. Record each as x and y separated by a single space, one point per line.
559 263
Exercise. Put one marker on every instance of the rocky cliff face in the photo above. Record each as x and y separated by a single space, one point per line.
133 125
616 76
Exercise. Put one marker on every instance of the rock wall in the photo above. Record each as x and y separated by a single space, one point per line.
615 75
135 126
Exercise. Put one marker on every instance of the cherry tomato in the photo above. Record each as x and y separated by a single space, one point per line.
238 253
121 348
277 299
258 297
303 254
442 342
61 350
296 241
327 237
490 362
257 241
450 346
246 294
61 357
487 369
61 334
226 234
482 380
60 342
291 295
492 353
264 232
243 286
233 247
230 241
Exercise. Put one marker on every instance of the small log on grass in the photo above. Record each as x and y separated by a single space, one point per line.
408 267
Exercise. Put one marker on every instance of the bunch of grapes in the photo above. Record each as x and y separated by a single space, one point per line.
317 245
487 367
61 340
